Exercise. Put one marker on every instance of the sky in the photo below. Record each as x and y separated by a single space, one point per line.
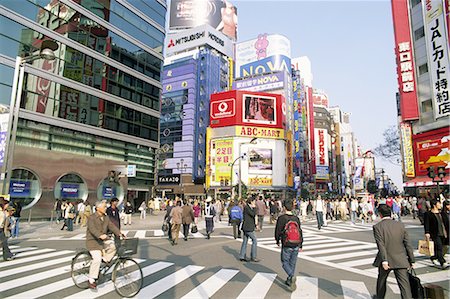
351 48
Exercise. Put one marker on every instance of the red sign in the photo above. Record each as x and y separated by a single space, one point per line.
431 149
321 148
405 61
245 108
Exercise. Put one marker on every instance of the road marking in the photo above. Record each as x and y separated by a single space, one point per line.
157 288
35 258
360 262
27 253
158 233
347 255
355 290
345 248
258 287
55 238
442 275
19 250
307 288
328 245
210 286
35 266
78 237
140 234
108 286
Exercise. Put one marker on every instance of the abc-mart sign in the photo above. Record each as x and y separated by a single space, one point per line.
195 37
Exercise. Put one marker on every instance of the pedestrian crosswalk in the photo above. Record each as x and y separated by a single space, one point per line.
46 274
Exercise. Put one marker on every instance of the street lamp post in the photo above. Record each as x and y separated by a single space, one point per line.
47 52
181 166
253 141
231 176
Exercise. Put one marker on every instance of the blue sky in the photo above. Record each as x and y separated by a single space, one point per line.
351 48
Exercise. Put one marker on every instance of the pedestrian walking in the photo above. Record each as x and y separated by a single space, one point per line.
70 216
210 212
187 218
151 206
58 210
248 228
261 210
435 229
236 216
128 210
288 231
15 219
394 253
168 219
319 207
113 212
64 214
143 210
218 208
197 211
273 209
353 210
176 215
86 214
80 212
4 230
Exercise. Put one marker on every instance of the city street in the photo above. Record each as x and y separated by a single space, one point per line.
335 263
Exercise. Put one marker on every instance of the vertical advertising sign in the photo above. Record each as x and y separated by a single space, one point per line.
408 154
405 61
4 118
221 158
438 59
321 153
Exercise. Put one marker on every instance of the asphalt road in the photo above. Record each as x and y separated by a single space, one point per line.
335 263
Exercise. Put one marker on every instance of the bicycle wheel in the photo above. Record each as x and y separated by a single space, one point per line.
127 277
80 269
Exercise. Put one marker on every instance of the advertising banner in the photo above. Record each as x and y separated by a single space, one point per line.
221 158
260 161
320 98
289 160
70 190
195 37
220 14
438 56
259 132
265 65
405 60
259 181
358 181
19 189
172 179
322 173
261 82
109 192
432 149
408 154
259 109
4 118
321 146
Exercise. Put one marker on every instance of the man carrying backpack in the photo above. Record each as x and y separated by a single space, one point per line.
289 232
236 216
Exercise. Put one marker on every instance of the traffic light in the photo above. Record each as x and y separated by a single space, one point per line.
431 173
441 172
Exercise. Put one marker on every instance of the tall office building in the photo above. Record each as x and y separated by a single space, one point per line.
423 68
94 109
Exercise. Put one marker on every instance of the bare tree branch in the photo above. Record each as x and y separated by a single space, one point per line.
390 148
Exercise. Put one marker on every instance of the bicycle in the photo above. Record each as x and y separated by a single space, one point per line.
126 276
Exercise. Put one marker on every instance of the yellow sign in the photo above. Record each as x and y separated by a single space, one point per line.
408 154
289 158
260 181
221 159
259 132
208 158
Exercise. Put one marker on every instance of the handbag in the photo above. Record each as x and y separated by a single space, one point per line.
417 290
194 229
165 227
426 247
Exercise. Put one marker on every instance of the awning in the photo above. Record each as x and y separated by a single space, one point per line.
422 181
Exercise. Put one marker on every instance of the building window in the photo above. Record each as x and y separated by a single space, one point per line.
427 106
419 33
423 69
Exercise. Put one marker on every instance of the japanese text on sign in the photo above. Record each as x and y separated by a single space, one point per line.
408 153
406 69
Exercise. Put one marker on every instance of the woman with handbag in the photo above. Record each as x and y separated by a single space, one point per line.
70 216
435 229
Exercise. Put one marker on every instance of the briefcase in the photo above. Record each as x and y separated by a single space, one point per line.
426 247
194 229
417 290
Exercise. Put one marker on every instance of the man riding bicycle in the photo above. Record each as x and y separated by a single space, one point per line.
97 241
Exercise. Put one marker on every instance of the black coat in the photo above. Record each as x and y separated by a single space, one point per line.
431 224
249 219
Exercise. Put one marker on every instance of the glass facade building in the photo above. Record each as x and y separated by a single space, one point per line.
99 101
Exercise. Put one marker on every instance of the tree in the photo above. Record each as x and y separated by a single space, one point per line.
390 149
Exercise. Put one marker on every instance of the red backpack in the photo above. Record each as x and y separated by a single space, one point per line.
292 234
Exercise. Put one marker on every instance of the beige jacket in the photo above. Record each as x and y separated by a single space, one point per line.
97 227
176 215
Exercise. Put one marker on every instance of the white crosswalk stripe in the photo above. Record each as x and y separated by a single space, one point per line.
22 281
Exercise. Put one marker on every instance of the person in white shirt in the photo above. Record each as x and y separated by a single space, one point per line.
319 211
353 210
80 212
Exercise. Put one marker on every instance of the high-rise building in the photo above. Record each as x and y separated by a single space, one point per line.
423 68
93 110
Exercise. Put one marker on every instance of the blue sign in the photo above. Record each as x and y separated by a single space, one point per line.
19 189
267 65
109 192
261 83
70 190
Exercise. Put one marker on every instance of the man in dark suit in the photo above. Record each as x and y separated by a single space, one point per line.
394 253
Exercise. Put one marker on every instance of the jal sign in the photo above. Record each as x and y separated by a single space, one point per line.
172 179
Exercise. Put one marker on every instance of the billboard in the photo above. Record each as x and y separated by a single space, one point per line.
263 82
259 132
195 37
221 159
432 149
19 188
438 59
265 65
260 48
320 98
220 14
405 61
408 154
321 153
243 108
4 119
260 161
70 190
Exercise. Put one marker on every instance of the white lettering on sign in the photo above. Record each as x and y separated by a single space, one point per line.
321 148
406 70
